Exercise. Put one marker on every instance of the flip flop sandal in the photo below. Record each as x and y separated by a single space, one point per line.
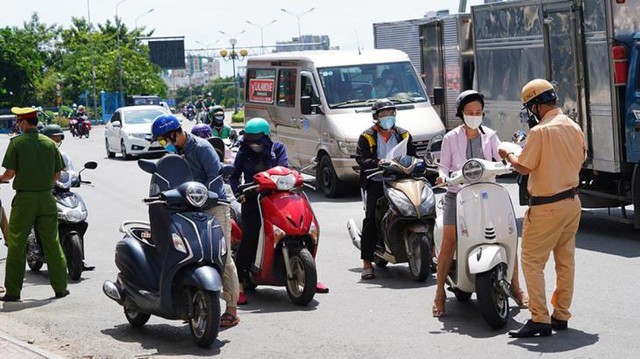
367 273
228 320
438 307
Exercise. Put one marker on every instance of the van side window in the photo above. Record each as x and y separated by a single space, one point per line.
287 87
307 89
260 85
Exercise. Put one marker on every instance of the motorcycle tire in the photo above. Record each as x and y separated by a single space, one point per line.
205 321
302 288
420 257
494 303
33 259
73 252
136 318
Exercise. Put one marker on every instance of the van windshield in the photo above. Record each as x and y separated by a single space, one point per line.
361 85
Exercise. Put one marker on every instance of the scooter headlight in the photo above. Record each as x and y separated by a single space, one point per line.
401 202
284 183
278 234
313 232
71 215
472 170
197 194
427 201
178 243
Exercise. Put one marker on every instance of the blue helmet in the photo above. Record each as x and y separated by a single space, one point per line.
202 130
164 124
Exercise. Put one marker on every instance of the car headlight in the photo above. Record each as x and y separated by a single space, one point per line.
348 147
427 201
197 194
138 135
472 170
284 183
401 202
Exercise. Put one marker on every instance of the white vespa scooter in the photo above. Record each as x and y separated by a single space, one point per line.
487 238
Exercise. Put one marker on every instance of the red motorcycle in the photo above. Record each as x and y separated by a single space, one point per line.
83 126
288 243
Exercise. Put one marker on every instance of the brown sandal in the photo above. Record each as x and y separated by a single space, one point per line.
438 307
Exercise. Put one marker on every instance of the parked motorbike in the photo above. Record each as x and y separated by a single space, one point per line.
290 232
407 213
487 239
72 225
172 266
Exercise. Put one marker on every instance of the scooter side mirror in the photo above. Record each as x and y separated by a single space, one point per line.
147 166
91 165
227 170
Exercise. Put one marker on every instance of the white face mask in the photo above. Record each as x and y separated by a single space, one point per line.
472 122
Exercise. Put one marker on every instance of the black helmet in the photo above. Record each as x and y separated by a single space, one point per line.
382 104
465 97
53 130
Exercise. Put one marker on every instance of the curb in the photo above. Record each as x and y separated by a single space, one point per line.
24 348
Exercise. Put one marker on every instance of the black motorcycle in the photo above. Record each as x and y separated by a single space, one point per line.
172 266
72 225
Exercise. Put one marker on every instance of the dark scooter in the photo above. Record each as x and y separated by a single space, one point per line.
172 267
72 225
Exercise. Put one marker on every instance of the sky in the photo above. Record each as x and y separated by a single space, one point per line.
348 23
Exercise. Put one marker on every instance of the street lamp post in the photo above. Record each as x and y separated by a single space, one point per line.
261 32
119 57
141 15
298 16
93 66
233 56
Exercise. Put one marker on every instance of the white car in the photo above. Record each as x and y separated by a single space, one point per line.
128 132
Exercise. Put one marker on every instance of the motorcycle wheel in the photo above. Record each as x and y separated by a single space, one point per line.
302 287
205 320
73 252
420 257
136 318
34 263
494 303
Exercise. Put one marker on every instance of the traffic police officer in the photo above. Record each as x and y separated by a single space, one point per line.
553 156
35 162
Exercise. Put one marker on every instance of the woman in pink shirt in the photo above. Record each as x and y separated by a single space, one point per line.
469 140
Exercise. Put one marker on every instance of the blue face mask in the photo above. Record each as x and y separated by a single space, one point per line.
387 122
171 148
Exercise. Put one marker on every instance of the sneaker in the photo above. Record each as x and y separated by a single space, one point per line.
62 294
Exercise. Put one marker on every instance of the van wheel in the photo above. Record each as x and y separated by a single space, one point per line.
326 178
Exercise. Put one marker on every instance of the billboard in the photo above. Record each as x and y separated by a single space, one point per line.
261 90
168 54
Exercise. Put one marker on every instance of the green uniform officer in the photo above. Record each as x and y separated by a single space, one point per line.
35 162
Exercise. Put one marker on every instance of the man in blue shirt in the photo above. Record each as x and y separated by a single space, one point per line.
205 167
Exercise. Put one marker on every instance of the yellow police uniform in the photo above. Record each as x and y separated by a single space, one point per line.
35 159
554 153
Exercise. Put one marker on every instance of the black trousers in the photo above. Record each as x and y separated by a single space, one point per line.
251 225
369 238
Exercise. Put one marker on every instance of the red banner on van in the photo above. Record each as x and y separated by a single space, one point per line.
261 90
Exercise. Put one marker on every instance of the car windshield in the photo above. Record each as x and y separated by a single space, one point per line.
361 85
139 116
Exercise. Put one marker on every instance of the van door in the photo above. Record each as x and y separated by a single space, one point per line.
311 119
288 122
561 33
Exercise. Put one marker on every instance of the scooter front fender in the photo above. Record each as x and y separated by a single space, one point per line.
205 277
484 257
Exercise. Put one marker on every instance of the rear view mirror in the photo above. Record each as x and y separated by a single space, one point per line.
147 166
91 165
305 105
116 124
438 96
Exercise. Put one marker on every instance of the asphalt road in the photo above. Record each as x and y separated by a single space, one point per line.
386 317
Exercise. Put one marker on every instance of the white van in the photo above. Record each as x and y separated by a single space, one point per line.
319 102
